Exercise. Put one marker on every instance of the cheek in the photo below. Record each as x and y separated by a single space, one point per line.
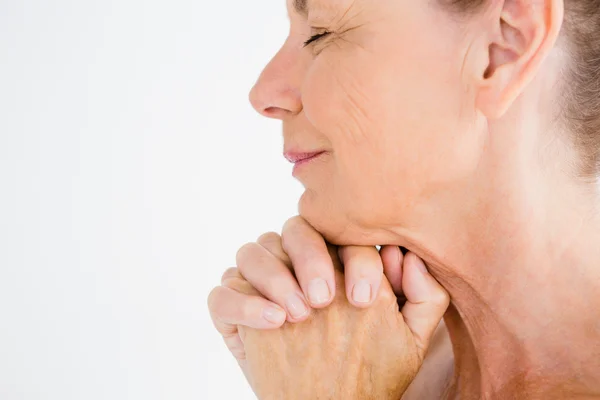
393 115
364 108
340 96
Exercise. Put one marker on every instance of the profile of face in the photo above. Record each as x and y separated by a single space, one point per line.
388 92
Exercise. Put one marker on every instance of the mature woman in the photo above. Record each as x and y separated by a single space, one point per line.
466 131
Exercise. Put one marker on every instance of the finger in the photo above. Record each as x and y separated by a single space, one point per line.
311 260
233 279
231 273
273 279
235 346
230 333
426 301
363 270
272 242
229 308
392 259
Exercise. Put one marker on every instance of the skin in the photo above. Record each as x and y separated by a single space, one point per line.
453 148
345 351
389 344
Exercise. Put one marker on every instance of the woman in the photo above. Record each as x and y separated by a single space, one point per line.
468 132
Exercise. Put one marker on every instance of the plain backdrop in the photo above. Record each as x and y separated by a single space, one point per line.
132 168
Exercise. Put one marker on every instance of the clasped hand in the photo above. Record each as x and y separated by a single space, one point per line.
294 341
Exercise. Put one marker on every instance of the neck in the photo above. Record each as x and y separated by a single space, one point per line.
522 266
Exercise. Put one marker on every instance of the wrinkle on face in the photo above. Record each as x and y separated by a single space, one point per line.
374 91
343 36
330 12
355 107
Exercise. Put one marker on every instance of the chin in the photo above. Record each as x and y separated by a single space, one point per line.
335 223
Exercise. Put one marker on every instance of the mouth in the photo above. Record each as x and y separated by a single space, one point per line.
301 158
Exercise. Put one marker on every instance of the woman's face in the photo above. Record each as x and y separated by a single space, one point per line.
385 96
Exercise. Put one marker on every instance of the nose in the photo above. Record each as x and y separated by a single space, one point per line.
276 93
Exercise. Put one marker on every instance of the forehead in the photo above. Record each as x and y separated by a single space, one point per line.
309 7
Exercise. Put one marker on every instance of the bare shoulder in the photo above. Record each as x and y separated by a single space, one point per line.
435 374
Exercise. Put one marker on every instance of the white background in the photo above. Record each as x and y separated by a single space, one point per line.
132 168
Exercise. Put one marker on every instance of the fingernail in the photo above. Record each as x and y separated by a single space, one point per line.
274 315
421 265
362 292
318 291
296 306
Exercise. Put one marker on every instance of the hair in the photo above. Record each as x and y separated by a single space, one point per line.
581 101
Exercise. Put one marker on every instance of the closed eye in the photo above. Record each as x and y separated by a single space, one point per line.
316 37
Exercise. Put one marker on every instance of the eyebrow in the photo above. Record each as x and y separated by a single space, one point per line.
301 6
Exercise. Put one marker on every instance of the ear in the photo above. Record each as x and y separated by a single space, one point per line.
524 34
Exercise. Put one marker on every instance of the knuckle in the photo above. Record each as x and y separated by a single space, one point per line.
235 346
295 220
268 238
242 286
244 253
238 353
215 299
293 224
387 295
441 297
239 285
230 273
293 234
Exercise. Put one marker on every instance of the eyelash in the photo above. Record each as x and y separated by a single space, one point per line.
316 37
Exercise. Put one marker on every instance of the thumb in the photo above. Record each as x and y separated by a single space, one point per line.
426 301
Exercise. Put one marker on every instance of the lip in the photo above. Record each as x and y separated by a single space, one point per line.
301 158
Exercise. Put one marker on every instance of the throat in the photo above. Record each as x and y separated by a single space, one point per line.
515 346
519 256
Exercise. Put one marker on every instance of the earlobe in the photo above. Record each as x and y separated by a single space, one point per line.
525 33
